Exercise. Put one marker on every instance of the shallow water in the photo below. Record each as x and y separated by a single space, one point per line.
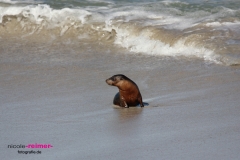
193 107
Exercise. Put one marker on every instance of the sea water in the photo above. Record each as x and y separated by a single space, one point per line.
208 30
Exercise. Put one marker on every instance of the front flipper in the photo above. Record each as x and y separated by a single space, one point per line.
120 101
123 103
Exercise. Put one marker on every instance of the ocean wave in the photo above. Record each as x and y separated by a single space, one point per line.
139 29
40 13
21 1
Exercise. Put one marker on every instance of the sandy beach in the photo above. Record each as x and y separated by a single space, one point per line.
56 55
193 110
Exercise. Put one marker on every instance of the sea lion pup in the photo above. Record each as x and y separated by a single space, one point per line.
129 94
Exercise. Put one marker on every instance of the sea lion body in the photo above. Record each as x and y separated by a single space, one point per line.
129 94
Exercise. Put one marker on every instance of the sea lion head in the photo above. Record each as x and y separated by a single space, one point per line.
116 80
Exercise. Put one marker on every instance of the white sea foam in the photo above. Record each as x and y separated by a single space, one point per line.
8 1
38 14
127 21
21 1
224 24
142 43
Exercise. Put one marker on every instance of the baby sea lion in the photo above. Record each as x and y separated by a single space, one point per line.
129 94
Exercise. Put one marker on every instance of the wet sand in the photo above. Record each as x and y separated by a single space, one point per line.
55 58
193 110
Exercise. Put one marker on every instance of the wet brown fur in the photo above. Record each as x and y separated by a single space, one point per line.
129 94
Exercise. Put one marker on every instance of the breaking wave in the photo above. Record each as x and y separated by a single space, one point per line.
155 29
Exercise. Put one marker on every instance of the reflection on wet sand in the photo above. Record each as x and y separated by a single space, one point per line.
125 114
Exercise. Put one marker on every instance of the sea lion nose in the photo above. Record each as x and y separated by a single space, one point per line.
107 81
